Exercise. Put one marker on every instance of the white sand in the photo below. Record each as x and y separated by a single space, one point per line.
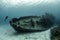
7 33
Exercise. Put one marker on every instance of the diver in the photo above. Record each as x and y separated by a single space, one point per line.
6 18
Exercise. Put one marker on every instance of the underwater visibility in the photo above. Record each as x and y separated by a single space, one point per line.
29 19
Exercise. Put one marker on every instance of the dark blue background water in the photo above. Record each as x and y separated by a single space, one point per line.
50 6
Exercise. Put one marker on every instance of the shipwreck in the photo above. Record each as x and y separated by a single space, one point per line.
32 23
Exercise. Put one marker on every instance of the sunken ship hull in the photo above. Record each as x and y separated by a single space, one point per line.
28 24
31 23
19 29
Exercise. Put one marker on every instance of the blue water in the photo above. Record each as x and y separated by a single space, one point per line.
12 9
50 6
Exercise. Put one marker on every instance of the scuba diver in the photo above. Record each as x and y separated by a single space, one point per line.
6 18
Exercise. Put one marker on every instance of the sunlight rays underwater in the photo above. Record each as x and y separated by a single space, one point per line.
18 3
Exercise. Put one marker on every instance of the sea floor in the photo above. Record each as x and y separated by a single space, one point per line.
8 33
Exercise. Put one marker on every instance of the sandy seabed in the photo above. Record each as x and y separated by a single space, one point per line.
8 33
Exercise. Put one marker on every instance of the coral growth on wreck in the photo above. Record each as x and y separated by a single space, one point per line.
55 33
